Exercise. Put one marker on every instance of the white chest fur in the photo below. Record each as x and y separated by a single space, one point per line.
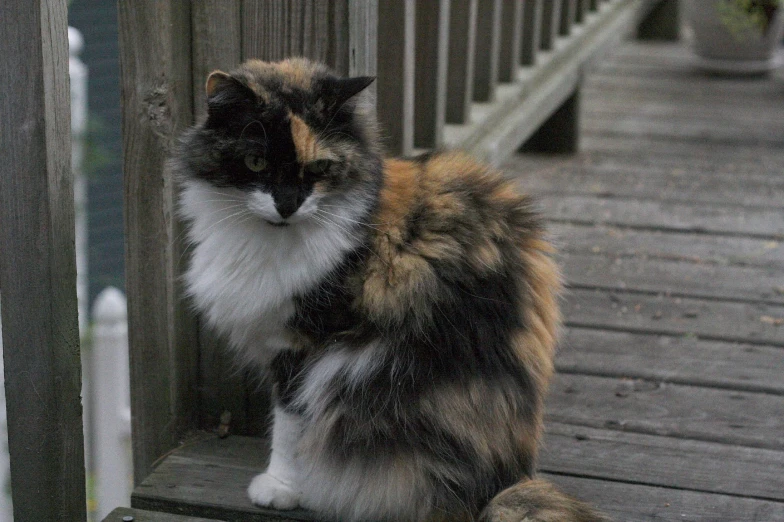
244 272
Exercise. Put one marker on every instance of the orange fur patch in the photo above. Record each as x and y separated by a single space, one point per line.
304 140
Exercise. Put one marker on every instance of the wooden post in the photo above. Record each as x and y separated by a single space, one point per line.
155 64
38 265
432 55
551 20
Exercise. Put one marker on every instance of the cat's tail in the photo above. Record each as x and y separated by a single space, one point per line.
537 501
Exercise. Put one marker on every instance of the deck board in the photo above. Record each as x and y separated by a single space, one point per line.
669 222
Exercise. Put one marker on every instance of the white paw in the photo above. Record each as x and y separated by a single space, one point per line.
267 491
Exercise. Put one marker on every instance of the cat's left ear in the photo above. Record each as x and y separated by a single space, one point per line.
343 89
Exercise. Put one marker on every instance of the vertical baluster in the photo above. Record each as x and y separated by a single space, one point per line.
488 40
432 40
551 19
568 13
532 26
460 86
396 74
582 9
511 34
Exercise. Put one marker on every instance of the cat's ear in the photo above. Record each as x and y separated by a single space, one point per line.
339 90
225 94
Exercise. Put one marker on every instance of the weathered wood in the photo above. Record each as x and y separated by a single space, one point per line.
668 410
682 360
462 43
720 184
157 106
560 133
663 461
487 51
430 75
38 266
676 278
719 470
138 515
694 248
662 23
217 43
532 27
665 215
395 84
510 41
753 323
642 503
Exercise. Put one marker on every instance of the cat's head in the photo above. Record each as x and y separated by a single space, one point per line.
285 138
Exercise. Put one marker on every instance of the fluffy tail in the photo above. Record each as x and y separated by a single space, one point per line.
537 501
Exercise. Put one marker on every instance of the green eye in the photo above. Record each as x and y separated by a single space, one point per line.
255 163
318 167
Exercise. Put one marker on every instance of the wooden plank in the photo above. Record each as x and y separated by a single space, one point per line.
432 56
665 215
582 11
395 84
695 248
462 44
675 278
641 503
157 106
209 478
138 515
669 410
532 27
724 184
38 266
663 461
217 43
487 51
511 34
753 323
681 360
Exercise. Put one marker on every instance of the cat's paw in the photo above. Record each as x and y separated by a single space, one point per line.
267 491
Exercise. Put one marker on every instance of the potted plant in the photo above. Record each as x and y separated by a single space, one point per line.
737 36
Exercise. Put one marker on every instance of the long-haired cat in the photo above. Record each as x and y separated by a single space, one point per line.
406 310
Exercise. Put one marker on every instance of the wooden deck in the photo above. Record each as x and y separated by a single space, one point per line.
668 403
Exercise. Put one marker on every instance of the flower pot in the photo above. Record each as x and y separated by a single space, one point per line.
726 42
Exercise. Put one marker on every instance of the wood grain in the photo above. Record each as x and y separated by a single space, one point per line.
669 410
38 266
157 106
662 358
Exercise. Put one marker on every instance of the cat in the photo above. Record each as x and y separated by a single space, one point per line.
406 310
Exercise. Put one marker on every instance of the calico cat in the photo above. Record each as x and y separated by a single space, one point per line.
406 310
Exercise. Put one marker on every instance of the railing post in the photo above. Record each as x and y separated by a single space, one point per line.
38 267
112 402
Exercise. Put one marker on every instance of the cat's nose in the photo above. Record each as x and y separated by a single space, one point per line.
286 210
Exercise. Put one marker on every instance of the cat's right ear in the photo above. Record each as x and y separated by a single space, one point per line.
225 92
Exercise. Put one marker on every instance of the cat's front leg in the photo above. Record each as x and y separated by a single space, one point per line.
278 487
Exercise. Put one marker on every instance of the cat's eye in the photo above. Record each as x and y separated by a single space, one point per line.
255 163
318 167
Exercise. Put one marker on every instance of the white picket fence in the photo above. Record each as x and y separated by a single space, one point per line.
105 375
